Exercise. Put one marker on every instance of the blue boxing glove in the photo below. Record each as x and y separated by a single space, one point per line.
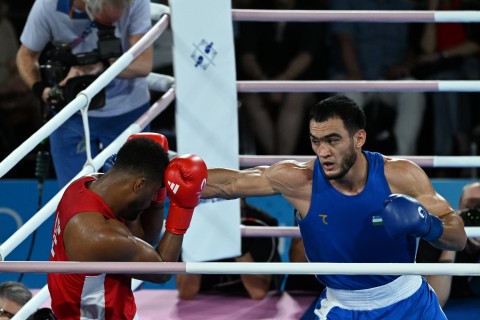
404 215
109 162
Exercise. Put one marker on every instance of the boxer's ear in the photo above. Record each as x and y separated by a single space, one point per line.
359 138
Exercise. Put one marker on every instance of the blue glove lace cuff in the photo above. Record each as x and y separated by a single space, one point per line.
436 229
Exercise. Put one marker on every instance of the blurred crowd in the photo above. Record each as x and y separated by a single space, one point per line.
399 123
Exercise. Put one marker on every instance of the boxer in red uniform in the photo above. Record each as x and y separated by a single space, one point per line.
118 216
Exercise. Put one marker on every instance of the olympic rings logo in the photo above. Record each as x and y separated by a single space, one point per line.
12 214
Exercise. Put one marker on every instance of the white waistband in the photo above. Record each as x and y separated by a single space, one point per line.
377 297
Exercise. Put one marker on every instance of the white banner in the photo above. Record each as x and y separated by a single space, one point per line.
206 115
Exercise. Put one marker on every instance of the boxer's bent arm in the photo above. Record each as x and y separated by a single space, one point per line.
148 226
168 250
405 177
454 237
90 237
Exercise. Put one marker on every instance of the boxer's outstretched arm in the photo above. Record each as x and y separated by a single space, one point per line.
231 184
284 177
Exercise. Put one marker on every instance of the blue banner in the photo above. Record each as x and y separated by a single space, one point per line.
18 203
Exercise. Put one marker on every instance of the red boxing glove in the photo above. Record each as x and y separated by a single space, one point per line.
157 137
185 179
161 140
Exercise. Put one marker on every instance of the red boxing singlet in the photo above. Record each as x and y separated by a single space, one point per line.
86 296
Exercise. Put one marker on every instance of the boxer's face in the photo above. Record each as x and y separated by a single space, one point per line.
333 146
142 198
8 308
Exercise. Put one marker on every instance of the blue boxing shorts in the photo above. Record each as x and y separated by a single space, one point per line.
407 297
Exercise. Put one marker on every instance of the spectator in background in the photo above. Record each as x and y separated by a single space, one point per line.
379 51
77 25
457 286
278 51
449 53
10 81
256 286
19 112
13 296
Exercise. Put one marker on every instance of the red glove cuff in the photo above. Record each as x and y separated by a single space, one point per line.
178 219
161 196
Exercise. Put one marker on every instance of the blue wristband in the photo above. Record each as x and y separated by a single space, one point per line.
436 229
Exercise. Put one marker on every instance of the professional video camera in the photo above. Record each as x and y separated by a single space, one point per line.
60 58
43 314
471 217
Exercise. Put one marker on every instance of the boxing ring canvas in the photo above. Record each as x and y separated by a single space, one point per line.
164 304
206 115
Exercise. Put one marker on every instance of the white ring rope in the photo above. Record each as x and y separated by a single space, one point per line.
462 269
422 161
354 16
155 82
360 86
294 232
47 210
33 223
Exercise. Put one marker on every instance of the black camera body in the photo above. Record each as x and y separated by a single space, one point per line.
471 217
60 59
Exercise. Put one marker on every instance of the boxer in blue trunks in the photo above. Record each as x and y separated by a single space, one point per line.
355 206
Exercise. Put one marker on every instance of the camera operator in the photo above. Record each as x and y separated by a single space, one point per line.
457 286
87 36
